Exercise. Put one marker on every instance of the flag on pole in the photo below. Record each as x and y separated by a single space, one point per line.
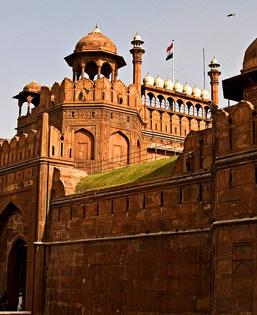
169 51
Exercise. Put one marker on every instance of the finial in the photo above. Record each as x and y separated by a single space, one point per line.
96 30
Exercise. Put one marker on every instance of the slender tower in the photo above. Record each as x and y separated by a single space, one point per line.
214 74
137 52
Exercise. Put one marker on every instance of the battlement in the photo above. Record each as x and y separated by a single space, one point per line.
20 148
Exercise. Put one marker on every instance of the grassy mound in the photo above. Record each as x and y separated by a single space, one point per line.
127 175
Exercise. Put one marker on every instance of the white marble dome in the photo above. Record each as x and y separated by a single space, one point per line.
178 87
187 89
137 37
168 84
205 93
158 81
196 91
148 79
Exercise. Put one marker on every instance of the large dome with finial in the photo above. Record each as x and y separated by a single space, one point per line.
250 58
96 41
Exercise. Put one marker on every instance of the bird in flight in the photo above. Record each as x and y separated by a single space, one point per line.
231 14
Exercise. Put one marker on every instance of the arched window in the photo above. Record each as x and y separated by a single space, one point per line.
106 70
180 105
150 100
207 112
198 110
160 102
91 69
189 107
170 103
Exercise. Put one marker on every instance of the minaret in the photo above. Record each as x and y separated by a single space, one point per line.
214 74
137 53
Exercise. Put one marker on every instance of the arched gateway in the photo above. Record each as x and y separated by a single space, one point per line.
13 255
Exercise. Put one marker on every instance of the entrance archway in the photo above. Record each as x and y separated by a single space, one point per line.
16 273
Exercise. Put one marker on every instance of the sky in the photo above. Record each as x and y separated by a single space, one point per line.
36 35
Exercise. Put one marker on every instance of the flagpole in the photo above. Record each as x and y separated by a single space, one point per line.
173 78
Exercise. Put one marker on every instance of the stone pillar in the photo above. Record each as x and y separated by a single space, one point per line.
83 70
29 99
98 71
137 53
20 107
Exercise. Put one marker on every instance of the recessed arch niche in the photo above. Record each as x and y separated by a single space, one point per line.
84 145
119 149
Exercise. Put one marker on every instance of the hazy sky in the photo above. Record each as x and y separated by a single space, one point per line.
37 35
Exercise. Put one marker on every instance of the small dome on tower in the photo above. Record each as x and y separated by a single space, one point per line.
168 84
214 63
205 93
178 87
148 79
250 58
196 91
137 41
137 37
187 89
32 87
158 81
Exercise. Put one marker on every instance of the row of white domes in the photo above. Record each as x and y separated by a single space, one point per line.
177 87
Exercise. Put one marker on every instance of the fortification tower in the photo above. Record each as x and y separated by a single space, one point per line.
244 85
95 54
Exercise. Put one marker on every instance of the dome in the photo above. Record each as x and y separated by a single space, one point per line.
214 61
158 81
148 79
96 40
187 89
32 87
137 37
178 87
196 91
250 58
205 93
168 84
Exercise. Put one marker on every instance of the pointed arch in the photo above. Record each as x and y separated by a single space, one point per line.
13 233
150 99
106 70
84 145
16 273
91 69
243 287
170 103
119 148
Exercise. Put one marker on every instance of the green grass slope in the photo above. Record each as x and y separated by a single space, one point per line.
127 175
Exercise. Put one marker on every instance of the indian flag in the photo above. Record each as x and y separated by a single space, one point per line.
169 51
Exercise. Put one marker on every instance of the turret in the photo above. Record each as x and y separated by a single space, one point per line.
214 74
137 52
